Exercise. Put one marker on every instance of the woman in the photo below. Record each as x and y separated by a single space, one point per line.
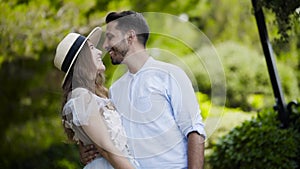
88 116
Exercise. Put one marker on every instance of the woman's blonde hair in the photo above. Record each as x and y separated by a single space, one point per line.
82 74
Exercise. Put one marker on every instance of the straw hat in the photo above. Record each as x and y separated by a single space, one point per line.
68 49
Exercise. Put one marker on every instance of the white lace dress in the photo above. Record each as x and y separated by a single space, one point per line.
84 105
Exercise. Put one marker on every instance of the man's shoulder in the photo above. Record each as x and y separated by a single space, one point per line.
169 67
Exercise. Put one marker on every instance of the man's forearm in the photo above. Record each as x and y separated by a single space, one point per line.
195 151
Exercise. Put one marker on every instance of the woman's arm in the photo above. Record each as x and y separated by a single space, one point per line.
99 134
88 115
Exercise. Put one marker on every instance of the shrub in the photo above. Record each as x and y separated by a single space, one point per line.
259 143
38 143
246 75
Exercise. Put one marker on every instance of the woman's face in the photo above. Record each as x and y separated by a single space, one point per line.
96 57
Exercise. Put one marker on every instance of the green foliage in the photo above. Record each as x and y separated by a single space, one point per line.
289 81
245 71
166 6
284 11
246 76
30 93
23 93
259 143
225 20
205 104
58 156
220 120
256 101
38 144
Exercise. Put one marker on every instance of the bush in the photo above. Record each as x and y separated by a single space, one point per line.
246 76
58 156
259 143
39 143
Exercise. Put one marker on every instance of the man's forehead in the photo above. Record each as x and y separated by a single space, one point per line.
111 28
111 25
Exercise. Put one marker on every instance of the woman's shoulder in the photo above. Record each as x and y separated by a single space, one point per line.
79 91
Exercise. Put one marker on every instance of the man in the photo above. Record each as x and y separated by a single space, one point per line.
158 105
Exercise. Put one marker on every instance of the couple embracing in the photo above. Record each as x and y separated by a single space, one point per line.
149 118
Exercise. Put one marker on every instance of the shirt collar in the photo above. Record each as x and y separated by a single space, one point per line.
147 64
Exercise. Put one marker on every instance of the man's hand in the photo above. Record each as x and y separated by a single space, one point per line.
87 153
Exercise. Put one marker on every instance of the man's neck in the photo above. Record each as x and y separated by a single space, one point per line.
136 60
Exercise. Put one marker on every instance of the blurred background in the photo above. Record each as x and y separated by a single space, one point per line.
30 93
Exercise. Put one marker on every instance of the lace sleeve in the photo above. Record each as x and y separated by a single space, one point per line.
82 104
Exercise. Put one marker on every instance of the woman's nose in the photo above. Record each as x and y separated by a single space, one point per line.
100 51
97 51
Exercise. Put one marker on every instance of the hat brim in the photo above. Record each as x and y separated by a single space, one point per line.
94 37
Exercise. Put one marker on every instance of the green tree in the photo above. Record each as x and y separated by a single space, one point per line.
286 13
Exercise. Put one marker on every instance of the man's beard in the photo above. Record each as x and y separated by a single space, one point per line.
119 52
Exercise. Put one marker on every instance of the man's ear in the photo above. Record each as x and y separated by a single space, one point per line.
131 36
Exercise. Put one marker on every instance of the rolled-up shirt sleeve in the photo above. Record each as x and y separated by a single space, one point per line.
186 109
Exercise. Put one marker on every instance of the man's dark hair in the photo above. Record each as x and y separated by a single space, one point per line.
127 20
